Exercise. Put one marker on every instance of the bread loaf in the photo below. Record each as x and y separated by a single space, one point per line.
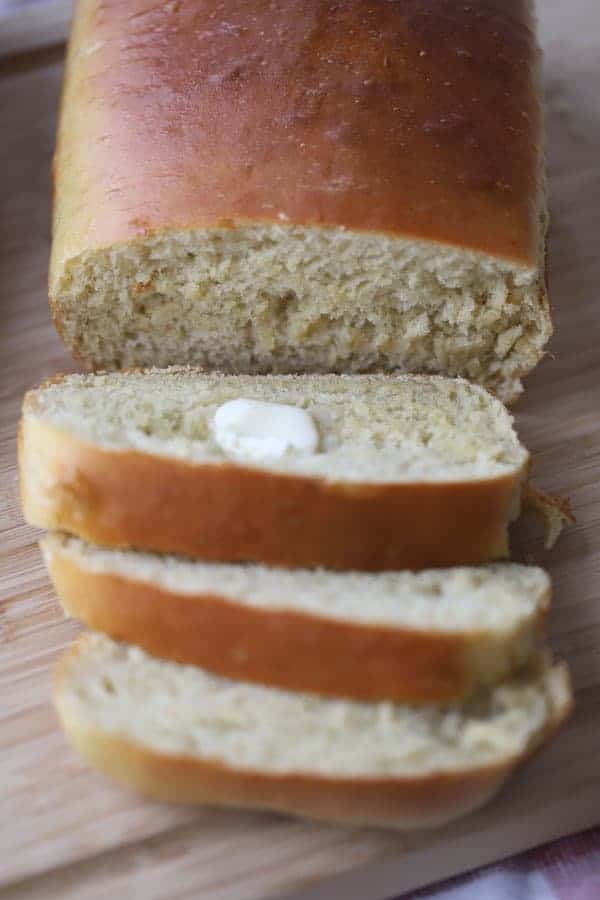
431 636
179 734
407 472
303 186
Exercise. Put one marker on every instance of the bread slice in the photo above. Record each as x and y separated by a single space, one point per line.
430 637
410 472
382 210
179 734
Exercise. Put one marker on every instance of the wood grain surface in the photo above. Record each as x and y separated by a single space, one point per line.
66 832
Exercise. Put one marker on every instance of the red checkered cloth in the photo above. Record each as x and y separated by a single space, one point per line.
568 869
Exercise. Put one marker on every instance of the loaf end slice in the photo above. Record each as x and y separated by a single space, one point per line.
409 472
380 211
177 734
427 637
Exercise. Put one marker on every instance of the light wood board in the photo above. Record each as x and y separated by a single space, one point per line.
66 832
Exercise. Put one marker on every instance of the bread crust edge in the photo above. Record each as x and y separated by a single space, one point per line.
227 512
403 803
332 657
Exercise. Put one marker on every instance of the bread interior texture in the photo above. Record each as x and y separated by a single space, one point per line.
182 710
372 428
261 298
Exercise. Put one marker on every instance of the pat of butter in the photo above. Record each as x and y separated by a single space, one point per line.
255 430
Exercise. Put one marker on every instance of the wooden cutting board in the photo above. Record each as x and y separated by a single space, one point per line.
66 832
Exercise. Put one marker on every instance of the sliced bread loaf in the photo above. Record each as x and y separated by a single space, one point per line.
349 472
179 734
382 209
431 636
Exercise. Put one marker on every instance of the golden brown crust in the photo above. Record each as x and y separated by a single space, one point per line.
405 803
420 803
245 643
415 119
231 513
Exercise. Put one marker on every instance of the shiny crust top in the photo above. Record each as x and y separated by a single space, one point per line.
416 118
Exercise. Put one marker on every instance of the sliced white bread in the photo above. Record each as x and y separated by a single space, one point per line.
430 636
178 734
408 472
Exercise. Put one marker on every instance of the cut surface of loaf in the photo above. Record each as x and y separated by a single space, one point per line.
180 734
384 209
418 637
408 472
